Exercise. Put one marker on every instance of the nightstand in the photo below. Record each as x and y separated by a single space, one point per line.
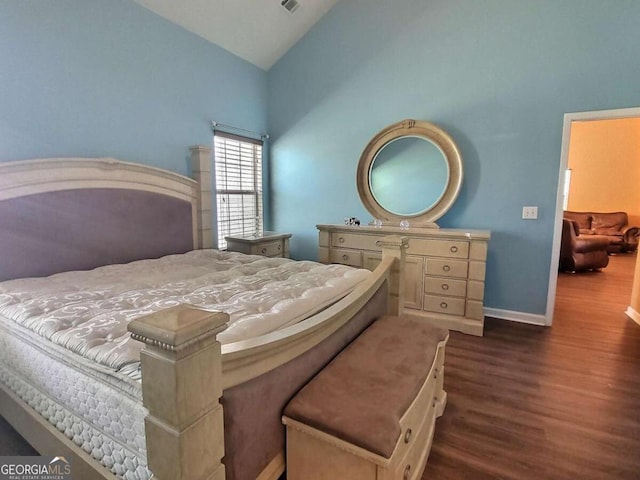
269 244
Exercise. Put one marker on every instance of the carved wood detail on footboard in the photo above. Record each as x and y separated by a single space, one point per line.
182 364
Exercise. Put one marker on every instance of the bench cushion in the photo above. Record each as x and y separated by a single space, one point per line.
362 394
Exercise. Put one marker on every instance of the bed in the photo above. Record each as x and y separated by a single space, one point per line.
209 410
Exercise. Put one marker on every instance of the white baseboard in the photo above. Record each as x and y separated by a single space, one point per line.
533 319
633 315
513 316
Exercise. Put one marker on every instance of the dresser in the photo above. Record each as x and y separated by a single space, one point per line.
444 271
269 244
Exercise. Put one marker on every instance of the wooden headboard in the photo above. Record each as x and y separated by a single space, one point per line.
62 214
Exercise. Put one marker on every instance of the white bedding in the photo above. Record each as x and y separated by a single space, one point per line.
88 312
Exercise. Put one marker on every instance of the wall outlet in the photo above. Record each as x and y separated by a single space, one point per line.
530 213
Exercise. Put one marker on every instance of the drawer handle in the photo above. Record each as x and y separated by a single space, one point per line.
445 286
279 247
453 249
341 239
446 268
264 250
407 472
443 305
407 435
378 243
345 257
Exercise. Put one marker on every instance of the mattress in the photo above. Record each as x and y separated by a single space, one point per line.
88 312
85 379
100 410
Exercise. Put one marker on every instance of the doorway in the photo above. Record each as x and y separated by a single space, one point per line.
569 118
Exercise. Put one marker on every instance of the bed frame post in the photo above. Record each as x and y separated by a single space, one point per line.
201 173
181 387
396 246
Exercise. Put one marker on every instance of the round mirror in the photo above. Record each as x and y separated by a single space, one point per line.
410 172
402 163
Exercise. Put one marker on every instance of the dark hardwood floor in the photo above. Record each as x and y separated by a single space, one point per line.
528 402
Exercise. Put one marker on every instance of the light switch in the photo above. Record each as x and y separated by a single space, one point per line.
530 213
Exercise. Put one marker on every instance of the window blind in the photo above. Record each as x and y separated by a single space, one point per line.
238 172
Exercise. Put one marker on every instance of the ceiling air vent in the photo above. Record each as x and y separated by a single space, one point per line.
290 5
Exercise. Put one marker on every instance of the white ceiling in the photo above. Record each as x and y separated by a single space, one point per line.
259 31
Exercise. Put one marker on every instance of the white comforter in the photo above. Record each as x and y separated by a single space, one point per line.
88 312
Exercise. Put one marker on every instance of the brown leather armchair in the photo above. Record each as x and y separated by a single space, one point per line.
581 252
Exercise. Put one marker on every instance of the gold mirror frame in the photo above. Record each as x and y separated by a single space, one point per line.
411 128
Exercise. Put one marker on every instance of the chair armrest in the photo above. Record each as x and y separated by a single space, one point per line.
574 225
631 235
587 244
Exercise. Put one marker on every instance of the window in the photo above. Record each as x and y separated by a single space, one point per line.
238 171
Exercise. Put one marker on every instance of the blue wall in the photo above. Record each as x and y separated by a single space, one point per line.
498 75
110 78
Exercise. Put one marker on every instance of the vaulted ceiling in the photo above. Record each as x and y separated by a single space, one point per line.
259 31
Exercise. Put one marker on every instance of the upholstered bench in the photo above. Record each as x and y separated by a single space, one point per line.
370 413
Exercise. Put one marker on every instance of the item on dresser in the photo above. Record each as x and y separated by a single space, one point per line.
359 418
269 244
444 273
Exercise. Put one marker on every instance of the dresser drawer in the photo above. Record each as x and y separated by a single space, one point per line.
271 249
411 466
447 268
346 257
356 240
445 286
439 248
416 428
450 305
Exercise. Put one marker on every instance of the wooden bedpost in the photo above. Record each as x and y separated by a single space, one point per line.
396 246
201 173
181 387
